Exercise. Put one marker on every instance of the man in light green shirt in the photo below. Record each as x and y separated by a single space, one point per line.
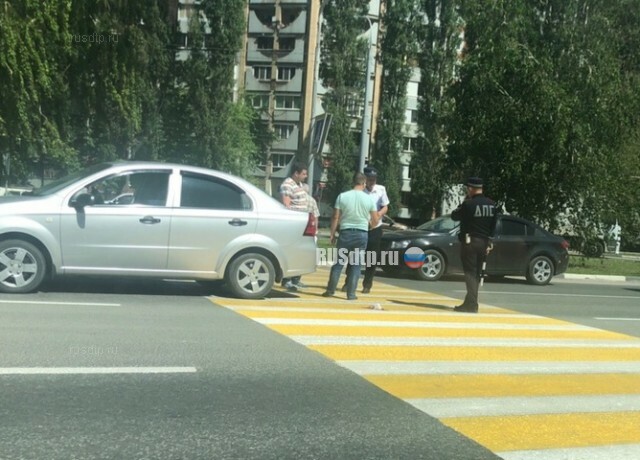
355 211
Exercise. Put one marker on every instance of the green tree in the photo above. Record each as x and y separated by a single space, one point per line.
203 124
342 70
34 55
539 107
120 60
438 62
399 49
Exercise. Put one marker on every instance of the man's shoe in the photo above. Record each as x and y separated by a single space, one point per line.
327 294
289 286
465 309
300 285
366 290
352 298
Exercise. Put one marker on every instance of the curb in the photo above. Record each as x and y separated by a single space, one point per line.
579 276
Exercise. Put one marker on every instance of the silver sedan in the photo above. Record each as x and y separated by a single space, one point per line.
153 220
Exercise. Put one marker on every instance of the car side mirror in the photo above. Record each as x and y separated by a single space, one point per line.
82 200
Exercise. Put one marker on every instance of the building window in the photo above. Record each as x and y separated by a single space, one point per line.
181 40
409 144
405 198
264 43
260 101
354 107
288 102
262 73
286 73
283 132
280 160
287 44
414 116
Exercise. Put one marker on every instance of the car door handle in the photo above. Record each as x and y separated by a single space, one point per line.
150 220
237 222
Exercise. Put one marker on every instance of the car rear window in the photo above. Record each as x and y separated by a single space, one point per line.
212 193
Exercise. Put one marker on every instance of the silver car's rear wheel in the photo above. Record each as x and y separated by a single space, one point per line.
251 276
540 270
22 266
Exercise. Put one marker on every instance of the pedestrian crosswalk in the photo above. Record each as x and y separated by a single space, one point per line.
525 386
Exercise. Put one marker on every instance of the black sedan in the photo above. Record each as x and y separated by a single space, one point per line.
521 248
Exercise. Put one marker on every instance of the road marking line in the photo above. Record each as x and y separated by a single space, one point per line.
385 367
504 385
613 452
539 294
422 324
94 370
617 319
525 405
471 354
368 311
530 432
42 302
309 340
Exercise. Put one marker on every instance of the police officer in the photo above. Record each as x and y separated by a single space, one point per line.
477 215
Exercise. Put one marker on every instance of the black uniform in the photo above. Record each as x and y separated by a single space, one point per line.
477 216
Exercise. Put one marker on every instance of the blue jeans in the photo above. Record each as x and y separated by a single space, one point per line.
349 240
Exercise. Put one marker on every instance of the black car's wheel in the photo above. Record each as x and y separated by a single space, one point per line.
434 266
593 248
250 276
540 270
22 266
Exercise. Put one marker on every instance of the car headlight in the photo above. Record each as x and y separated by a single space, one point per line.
400 244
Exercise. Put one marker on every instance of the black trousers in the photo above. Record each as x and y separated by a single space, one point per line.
373 244
472 255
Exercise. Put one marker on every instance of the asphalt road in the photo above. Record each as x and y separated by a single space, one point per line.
613 306
154 370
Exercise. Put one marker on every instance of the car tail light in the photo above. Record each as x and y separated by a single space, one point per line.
312 226
564 244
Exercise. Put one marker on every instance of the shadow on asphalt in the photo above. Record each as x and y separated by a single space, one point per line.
422 305
409 276
140 286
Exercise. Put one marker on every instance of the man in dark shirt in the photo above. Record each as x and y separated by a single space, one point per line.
477 215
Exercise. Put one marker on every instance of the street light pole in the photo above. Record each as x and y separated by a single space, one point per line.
365 136
314 104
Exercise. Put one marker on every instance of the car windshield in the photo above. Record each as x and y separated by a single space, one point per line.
442 224
69 179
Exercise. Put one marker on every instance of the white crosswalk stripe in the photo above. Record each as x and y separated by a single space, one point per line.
524 386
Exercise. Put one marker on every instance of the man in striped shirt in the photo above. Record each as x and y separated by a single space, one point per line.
295 197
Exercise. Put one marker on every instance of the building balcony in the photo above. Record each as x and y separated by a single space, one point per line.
295 55
256 26
256 55
280 115
298 26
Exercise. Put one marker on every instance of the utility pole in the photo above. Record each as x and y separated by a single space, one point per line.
365 136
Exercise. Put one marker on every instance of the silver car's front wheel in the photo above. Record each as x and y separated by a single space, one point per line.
540 271
22 266
251 276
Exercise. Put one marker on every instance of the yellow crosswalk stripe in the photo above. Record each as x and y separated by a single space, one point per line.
454 386
385 353
549 431
286 329
535 384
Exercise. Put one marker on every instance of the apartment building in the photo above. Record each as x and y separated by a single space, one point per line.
277 69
